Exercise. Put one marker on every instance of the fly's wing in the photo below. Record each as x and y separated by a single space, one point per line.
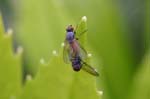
83 52
78 35
66 52
80 30
89 69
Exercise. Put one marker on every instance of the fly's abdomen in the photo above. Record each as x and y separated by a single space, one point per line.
76 64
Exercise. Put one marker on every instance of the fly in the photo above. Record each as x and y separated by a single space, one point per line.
73 52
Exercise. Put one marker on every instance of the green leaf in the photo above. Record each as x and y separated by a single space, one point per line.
52 81
113 51
10 66
141 85
57 80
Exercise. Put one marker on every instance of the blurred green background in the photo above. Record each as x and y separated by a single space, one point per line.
118 37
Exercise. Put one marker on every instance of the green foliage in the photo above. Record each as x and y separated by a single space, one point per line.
114 51
40 29
57 80
141 85
10 67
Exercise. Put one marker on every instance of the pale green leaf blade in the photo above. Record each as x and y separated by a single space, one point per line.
10 67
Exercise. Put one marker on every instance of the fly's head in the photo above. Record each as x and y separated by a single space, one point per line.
69 28
70 34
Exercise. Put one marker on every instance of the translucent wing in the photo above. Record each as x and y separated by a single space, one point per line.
80 31
78 35
82 53
89 69
66 52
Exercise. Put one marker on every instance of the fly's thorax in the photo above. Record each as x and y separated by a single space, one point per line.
70 37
